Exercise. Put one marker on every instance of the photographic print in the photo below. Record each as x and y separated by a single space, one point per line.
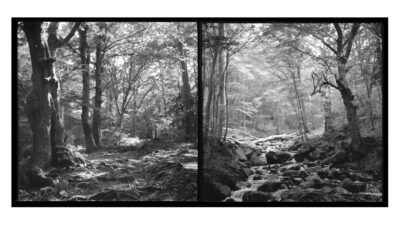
293 112
106 110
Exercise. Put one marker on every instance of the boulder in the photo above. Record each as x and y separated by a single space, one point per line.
34 178
65 158
216 191
277 157
134 143
115 195
272 183
304 195
316 180
229 199
354 187
314 169
255 161
245 172
303 153
256 196
240 154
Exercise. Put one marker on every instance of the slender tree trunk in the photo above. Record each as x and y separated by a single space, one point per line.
209 97
277 117
85 61
133 128
301 112
221 93
326 94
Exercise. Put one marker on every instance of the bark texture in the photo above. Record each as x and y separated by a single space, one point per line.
85 60
186 96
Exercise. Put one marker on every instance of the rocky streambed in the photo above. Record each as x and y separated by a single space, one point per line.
307 182
282 168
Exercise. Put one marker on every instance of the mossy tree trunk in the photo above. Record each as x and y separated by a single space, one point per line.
43 108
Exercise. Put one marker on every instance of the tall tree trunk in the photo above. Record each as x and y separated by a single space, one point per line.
85 61
98 92
209 97
351 109
221 93
186 96
40 105
57 120
301 112
368 88
342 55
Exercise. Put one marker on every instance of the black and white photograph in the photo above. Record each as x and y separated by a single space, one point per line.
293 112
106 110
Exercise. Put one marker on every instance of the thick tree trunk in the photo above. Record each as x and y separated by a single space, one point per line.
209 96
57 124
120 117
351 109
85 60
186 96
40 105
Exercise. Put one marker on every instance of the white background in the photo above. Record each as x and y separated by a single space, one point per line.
198 217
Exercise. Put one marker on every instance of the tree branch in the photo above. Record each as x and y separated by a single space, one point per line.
353 34
70 34
339 39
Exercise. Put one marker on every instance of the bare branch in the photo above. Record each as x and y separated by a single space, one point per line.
339 39
353 34
70 34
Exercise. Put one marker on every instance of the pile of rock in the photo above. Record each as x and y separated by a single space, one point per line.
308 182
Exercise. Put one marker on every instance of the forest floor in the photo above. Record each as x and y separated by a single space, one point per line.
160 171
285 169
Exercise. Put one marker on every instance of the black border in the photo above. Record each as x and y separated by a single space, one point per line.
200 20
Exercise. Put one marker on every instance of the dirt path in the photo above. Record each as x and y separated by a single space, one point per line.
161 171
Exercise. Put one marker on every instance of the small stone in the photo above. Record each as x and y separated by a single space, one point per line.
307 184
63 193
326 189
341 190
302 174
297 180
